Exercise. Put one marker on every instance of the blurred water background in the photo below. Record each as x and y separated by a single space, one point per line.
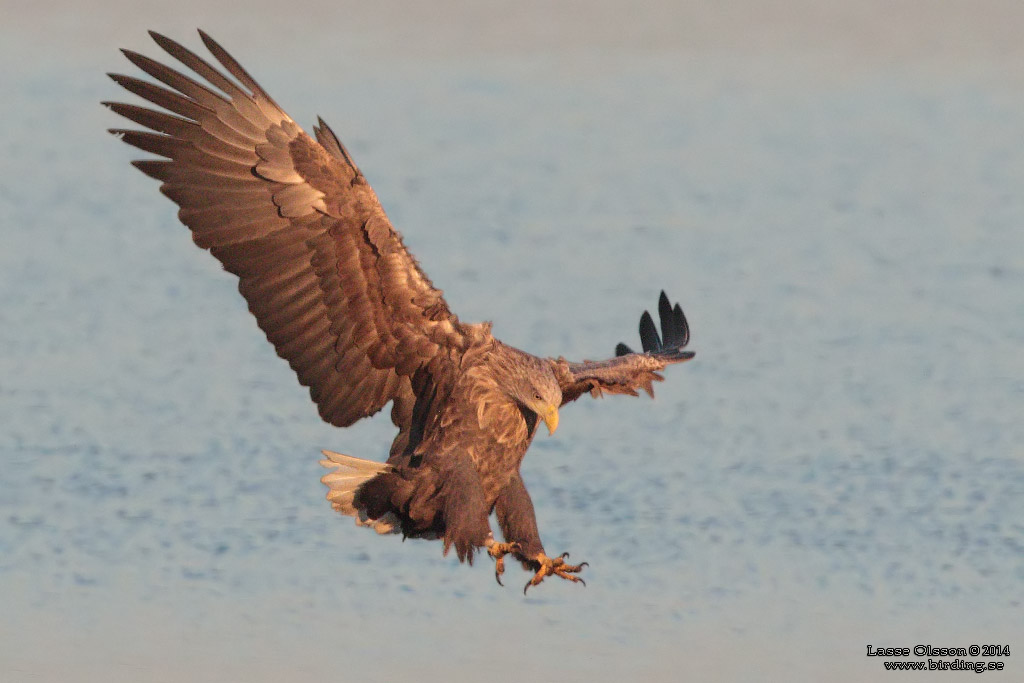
833 193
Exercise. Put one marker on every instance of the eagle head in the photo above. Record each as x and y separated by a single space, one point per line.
532 384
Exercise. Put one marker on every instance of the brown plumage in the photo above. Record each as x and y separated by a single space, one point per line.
341 299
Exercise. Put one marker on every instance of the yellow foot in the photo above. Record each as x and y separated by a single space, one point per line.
555 566
498 551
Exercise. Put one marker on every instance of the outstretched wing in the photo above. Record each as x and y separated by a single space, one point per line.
630 371
325 274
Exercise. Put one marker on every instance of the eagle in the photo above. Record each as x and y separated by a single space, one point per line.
332 285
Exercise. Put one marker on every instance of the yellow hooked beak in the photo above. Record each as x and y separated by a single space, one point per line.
549 413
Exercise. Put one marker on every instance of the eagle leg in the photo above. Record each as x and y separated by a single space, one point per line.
555 566
498 551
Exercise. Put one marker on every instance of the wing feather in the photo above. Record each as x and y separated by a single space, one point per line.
628 372
325 274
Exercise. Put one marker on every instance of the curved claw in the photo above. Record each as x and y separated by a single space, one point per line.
498 552
575 579
555 566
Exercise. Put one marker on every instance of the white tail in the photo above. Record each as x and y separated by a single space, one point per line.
346 474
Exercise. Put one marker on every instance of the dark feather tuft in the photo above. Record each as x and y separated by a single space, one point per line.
680 324
675 332
649 338
668 330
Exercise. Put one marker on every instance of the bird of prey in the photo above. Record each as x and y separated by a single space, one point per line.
331 284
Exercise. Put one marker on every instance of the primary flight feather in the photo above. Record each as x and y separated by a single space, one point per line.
333 287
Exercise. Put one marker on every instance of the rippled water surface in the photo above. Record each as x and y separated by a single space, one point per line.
841 465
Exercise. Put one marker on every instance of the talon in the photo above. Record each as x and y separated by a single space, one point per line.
555 566
498 551
499 569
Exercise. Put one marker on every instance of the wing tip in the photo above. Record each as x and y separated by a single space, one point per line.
649 338
675 330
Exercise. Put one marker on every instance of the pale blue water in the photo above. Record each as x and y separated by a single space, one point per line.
840 465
